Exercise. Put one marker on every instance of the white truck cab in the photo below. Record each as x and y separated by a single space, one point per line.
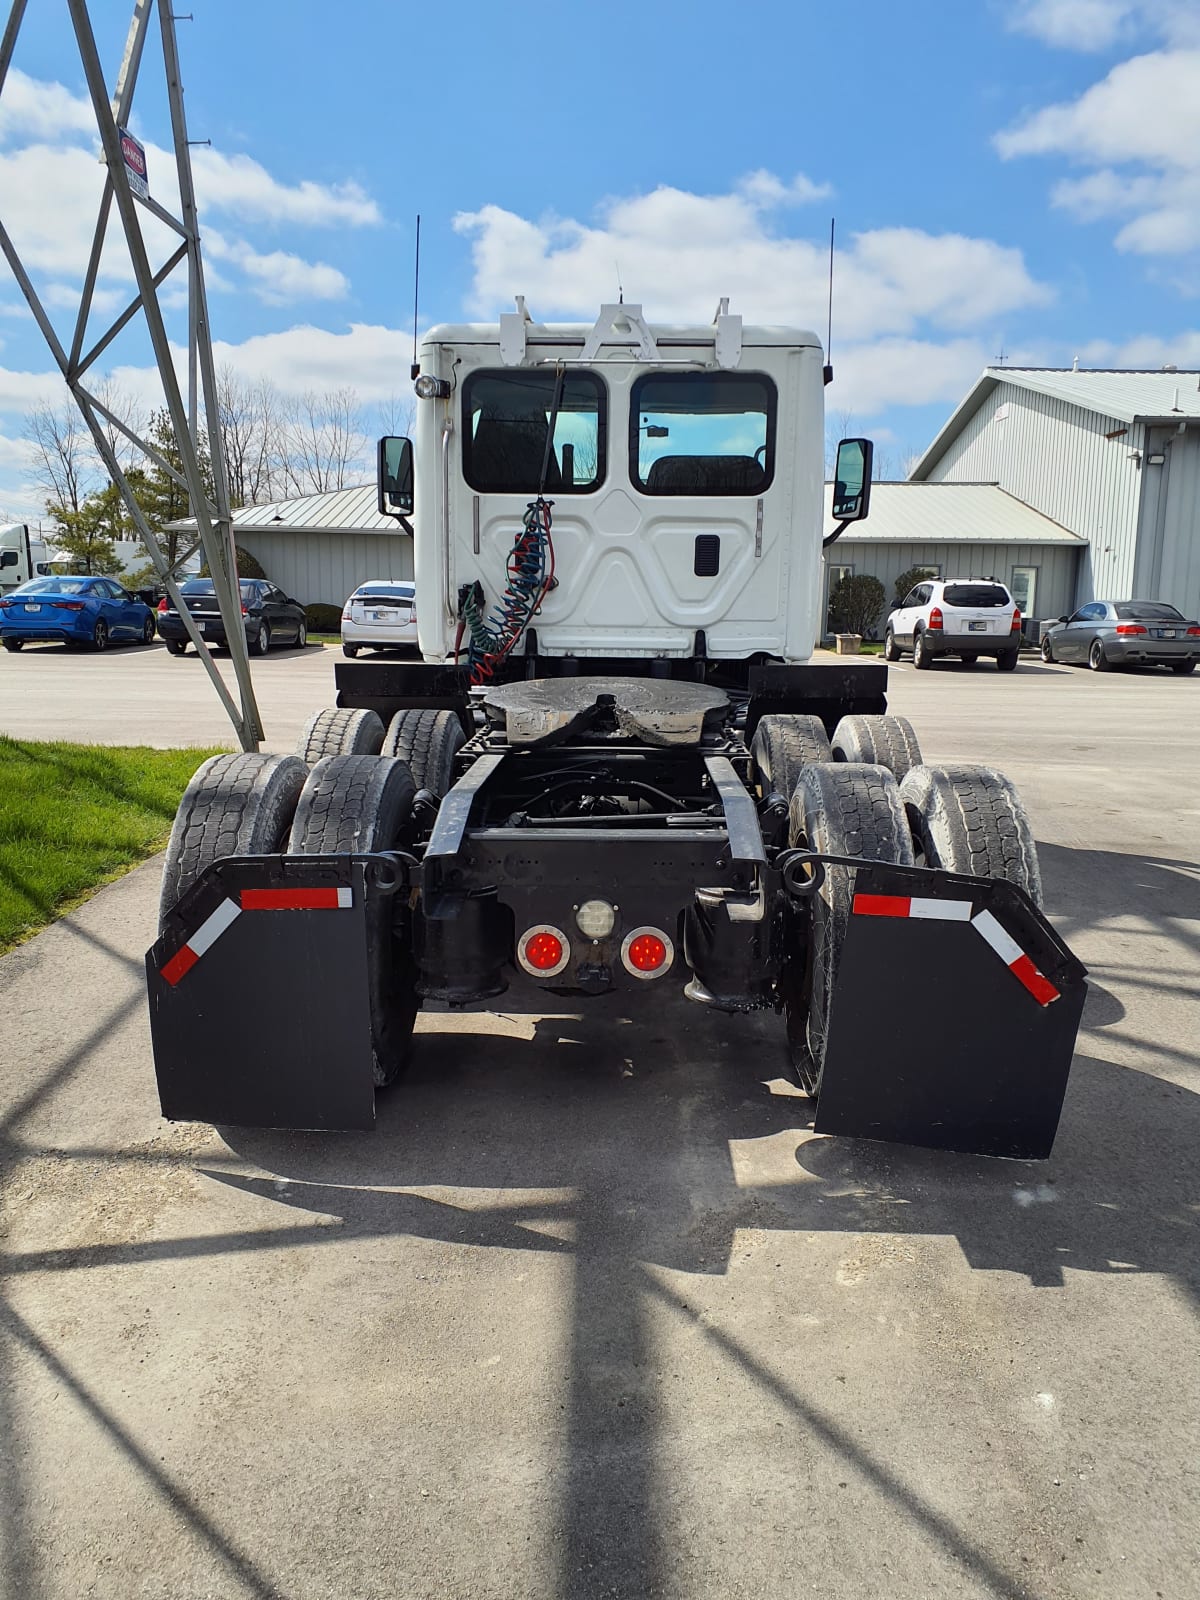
684 469
22 556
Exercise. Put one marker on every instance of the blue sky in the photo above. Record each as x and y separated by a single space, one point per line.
1008 175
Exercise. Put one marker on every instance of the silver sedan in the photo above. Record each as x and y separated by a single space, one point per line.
1124 633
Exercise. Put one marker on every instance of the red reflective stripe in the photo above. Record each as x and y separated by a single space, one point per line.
290 900
1042 990
881 905
180 963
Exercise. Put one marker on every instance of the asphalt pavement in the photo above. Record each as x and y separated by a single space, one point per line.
593 1313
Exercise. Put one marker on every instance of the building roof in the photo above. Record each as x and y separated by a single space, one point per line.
1125 395
338 511
949 513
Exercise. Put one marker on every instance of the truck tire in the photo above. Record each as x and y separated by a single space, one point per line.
428 740
352 804
782 745
970 819
234 806
879 741
336 732
847 809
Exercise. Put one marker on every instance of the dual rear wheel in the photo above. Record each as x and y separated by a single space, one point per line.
874 799
349 790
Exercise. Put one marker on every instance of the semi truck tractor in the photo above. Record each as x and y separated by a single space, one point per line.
616 770
22 556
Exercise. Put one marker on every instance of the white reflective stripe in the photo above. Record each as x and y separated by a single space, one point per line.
211 929
345 899
1007 949
940 910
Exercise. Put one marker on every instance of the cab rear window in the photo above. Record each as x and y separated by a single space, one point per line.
976 594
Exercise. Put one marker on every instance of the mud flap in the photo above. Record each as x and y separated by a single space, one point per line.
954 1017
259 1003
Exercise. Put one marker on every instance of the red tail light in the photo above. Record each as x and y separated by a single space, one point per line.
1193 633
935 618
1016 621
69 605
1130 627
164 604
543 951
647 952
245 612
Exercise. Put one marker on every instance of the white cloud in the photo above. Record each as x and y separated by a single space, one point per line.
1146 352
868 378
277 276
1139 128
34 109
236 185
1101 24
679 252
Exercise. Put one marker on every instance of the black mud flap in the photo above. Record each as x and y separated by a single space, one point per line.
954 1017
259 1004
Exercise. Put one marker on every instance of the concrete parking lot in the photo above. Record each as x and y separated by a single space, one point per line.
593 1313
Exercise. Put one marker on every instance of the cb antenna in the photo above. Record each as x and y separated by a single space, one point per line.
415 371
829 333
620 287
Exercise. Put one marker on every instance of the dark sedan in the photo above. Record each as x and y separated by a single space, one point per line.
1125 633
268 616
81 610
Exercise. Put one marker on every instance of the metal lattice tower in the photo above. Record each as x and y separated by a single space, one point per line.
212 517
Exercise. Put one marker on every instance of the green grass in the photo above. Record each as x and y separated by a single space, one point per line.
75 816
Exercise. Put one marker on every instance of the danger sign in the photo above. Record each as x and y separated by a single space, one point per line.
135 164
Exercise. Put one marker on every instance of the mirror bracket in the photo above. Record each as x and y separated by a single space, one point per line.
835 535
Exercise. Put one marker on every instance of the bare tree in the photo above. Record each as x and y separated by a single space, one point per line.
252 427
397 415
838 425
63 453
125 407
325 443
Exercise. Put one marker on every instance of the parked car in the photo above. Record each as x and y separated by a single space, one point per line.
964 617
1125 633
381 614
77 610
269 616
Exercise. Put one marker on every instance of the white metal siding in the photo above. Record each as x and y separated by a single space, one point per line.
1055 457
323 568
1179 571
1057 566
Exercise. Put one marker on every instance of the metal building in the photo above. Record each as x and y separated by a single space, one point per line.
960 530
320 547
1114 456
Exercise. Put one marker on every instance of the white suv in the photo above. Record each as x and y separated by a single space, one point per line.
964 617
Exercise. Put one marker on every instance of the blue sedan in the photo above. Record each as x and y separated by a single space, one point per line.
89 611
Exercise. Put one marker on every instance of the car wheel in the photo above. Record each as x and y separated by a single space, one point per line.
1047 649
262 640
148 631
100 635
1097 660
350 650
1181 667
891 650
14 645
922 656
1008 661
301 634
177 647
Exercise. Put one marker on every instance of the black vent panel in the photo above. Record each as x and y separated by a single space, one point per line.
707 561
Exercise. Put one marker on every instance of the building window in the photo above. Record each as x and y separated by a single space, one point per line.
833 576
1023 585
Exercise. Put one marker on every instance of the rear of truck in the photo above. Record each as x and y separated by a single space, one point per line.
615 771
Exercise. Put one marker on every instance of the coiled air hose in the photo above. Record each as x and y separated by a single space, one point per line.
529 578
